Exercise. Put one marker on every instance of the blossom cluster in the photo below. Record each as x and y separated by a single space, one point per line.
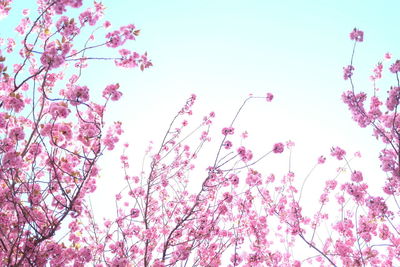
52 132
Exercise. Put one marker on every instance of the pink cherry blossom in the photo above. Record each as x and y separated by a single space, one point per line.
278 148
395 67
321 160
228 131
269 97
338 153
348 72
357 35
357 176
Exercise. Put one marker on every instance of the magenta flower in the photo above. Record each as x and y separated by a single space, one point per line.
348 72
135 213
357 35
356 176
395 67
321 160
338 152
269 97
278 148
227 144
228 131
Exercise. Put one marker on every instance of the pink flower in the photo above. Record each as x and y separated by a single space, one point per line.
290 144
338 152
270 178
78 94
14 102
59 109
12 159
395 67
35 149
245 155
348 72
135 213
358 191
269 97
132 59
384 232
17 134
222 209
111 91
67 27
228 131
227 144
393 100
377 72
356 106
253 178
357 35
234 179
377 207
114 39
330 184
356 176
23 26
54 54
10 45
278 148
3 120
227 197
106 24
321 160
89 16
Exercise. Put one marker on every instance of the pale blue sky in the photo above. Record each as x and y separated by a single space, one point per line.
223 50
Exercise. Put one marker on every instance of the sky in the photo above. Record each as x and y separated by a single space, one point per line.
224 50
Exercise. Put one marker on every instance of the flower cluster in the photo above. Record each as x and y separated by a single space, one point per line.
357 35
338 153
348 72
52 134
55 53
245 154
395 67
111 92
228 131
278 148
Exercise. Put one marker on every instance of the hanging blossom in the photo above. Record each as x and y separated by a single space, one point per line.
278 148
228 131
338 152
357 35
377 72
348 72
269 97
4 7
395 67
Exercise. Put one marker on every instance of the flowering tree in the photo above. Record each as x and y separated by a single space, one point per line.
238 216
51 127
52 133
